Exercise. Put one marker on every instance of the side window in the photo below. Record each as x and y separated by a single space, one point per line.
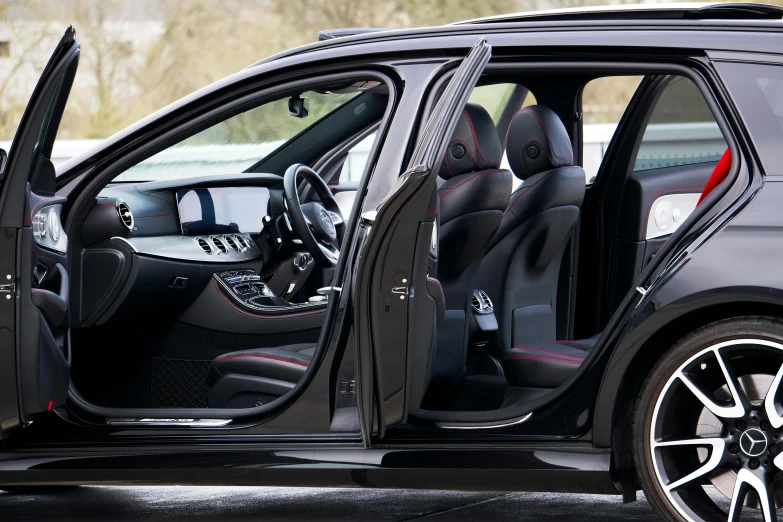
604 101
353 168
492 97
758 90
681 130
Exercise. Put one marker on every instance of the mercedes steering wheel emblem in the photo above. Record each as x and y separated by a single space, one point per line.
327 220
753 442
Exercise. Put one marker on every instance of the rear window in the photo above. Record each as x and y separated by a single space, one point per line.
758 91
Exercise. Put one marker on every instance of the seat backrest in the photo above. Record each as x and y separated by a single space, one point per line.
521 268
471 202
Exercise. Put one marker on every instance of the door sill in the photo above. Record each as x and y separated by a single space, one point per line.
483 425
169 423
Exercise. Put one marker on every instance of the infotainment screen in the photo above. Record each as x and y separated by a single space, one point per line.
222 210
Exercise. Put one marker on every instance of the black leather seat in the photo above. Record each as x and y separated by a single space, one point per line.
521 269
545 365
471 201
250 378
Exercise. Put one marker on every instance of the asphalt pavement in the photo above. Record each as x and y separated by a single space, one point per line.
231 504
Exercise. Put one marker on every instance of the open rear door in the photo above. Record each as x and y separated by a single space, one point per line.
34 352
395 316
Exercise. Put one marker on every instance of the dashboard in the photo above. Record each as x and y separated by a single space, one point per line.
207 219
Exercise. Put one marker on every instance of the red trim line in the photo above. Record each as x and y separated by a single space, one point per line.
541 357
255 356
43 293
452 189
550 353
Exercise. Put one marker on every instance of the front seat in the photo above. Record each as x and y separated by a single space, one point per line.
472 196
250 378
521 268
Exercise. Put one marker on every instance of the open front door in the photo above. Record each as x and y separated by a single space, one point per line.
34 350
395 314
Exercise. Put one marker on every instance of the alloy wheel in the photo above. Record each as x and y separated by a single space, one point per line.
716 433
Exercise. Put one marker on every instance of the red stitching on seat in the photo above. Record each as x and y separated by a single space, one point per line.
543 358
568 159
469 151
452 189
530 187
475 139
260 357
550 353
48 298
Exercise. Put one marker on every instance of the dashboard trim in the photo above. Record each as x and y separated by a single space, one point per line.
186 248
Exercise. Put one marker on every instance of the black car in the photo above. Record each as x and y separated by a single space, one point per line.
319 271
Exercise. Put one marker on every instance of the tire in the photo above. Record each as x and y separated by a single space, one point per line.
745 352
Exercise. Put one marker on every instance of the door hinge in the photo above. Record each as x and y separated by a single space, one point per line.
347 387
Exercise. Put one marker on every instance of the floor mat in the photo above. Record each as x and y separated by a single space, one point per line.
179 383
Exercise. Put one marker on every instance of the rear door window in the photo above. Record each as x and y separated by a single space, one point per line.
681 130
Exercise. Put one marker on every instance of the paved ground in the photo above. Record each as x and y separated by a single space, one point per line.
232 504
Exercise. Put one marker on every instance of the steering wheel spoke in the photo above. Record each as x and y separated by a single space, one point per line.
319 225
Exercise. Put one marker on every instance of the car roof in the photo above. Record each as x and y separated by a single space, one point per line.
685 10
680 16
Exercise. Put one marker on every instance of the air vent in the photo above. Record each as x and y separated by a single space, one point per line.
219 244
475 303
485 301
204 245
232 243
124 213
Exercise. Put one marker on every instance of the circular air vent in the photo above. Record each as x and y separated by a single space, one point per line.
486 301
125 215
481 302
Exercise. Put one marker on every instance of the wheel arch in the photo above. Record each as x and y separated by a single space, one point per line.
618 402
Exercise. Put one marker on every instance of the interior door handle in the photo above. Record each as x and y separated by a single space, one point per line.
53 306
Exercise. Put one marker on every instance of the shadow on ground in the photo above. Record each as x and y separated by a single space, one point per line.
229 504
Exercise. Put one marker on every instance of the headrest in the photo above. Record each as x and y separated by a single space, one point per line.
474 145
537 141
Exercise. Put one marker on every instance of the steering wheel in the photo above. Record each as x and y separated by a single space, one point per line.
320 226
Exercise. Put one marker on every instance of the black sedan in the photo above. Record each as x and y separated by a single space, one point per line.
396 259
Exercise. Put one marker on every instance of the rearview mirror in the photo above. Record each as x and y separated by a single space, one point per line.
298 107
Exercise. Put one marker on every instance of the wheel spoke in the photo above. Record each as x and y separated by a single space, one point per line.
769 401
728 412
718 447
746 481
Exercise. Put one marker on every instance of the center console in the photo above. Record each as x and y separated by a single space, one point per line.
249 290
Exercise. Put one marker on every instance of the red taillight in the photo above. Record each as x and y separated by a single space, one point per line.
51 405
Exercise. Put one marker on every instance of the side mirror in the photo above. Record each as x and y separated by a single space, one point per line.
298 107
3 162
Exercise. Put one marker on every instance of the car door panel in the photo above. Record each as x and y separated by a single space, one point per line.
395 315
34 314
647 219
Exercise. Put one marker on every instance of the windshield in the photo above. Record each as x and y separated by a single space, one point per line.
236 144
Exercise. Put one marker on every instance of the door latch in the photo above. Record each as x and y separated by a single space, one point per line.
402 291
10 288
